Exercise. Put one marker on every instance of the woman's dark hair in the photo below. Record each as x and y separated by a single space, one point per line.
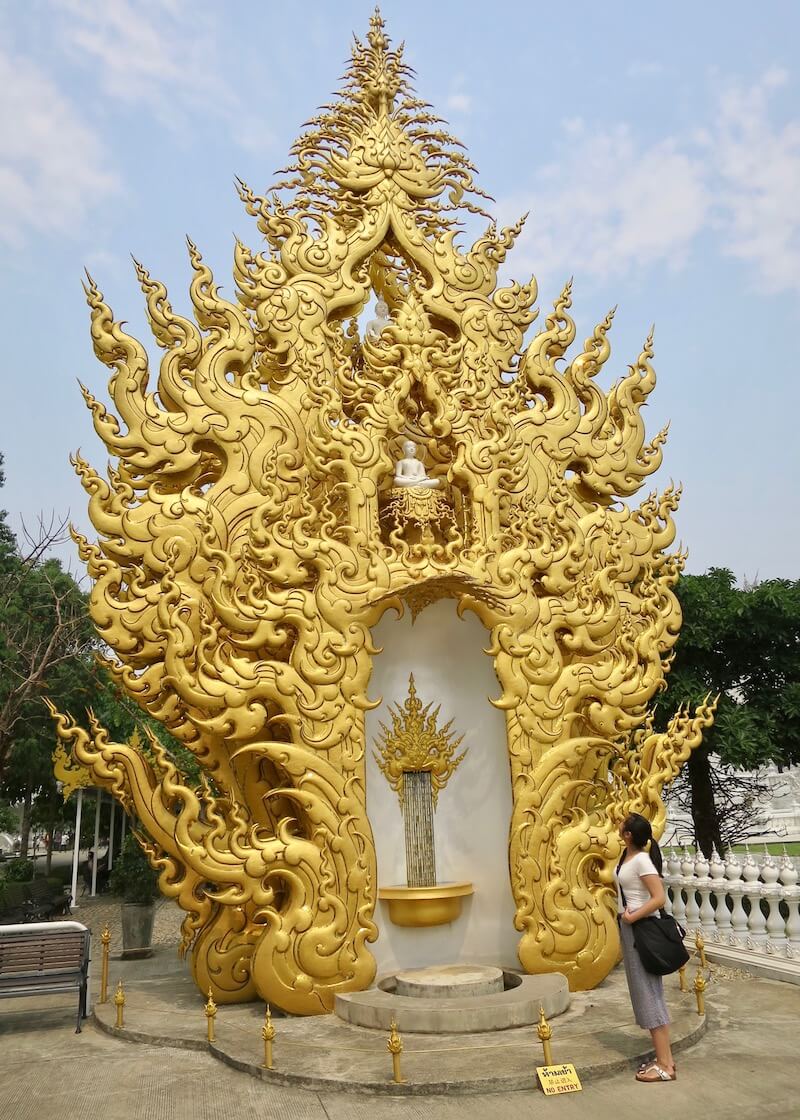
641 834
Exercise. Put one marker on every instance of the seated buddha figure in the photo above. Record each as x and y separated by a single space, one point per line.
409 471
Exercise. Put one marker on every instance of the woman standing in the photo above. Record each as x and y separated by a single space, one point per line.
640 892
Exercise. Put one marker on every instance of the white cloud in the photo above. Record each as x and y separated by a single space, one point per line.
459 102
610 204
645 69
607 206
53 169
758 162
163 54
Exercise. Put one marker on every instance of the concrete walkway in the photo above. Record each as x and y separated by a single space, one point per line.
743 1067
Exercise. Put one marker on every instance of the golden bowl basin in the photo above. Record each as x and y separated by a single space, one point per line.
425 906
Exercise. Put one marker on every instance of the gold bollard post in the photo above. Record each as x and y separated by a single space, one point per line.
211 1014
105 937
682 978
268 1034
545 1033
699 989
700 945
395 1048
119 1003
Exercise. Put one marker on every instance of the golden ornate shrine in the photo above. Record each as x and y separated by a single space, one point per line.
250 537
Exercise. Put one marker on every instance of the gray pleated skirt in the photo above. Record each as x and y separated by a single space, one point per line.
647 991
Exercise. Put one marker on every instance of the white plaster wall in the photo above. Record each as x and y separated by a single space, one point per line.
471 822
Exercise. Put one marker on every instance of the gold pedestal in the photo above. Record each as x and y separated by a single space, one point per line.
425 906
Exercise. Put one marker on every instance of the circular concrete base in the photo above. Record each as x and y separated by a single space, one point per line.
516 1004
449 981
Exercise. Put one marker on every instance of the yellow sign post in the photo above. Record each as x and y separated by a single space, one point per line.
555 1080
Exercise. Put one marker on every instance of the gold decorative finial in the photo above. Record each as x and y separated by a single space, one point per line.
119 1003
682 978
105 938
545 1033
395 1048
268 1035
211 1014
700 945
416 742
699 991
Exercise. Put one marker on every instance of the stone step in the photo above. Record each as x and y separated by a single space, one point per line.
515 1006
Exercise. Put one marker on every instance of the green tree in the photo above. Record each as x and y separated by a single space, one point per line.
48 650
742 643
44 626
28 777
9 818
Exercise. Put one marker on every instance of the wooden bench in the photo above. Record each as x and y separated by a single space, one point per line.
43 957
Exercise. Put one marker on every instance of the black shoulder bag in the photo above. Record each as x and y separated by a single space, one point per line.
658 940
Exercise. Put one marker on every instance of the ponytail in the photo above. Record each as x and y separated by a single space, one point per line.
655 855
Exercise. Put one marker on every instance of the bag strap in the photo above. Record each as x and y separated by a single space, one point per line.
619 884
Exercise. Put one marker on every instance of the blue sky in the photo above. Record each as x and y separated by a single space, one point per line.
657 148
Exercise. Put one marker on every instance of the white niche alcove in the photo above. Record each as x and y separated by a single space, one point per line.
471 822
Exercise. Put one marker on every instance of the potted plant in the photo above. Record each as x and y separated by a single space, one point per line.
135 881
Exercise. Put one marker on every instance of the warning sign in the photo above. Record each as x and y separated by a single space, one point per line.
558 1079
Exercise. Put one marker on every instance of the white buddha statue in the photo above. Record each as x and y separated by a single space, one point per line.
379 323
410 471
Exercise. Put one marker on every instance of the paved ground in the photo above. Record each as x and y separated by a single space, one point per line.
323 1053
105 910
745 1067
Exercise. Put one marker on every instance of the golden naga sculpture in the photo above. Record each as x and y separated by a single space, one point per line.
251 535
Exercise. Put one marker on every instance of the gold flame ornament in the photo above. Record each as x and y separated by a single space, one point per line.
210 1010
105 939
71 775
395 1047
119 1004
699 991
545 1033
416 742
268 1035
700 945
248 542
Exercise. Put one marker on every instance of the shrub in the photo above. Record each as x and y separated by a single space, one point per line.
19 871
132 877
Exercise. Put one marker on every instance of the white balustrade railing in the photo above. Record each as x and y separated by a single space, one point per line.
749 905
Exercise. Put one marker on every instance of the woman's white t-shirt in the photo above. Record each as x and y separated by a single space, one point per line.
630 879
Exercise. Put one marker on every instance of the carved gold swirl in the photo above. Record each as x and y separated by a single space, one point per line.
246 547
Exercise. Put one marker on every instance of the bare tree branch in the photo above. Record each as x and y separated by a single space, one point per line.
44 623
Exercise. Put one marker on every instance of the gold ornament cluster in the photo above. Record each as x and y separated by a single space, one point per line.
250 537
416 742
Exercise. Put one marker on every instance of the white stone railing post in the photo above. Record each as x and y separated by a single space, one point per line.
772 892
672 880
722 915
704 885
756 922
690 884
767 939
788 878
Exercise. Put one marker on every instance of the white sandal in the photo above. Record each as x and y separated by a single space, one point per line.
659 1071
